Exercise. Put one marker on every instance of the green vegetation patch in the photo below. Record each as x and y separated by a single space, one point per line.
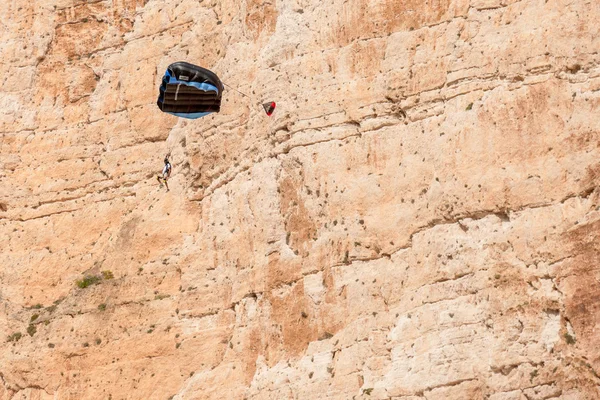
108 275
88 281
15 337
31 330
569 339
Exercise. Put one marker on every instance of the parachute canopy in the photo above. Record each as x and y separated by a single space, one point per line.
189 91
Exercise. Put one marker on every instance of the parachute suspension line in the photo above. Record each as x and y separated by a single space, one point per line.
269 106
235 90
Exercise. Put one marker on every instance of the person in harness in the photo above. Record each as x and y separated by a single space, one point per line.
166 173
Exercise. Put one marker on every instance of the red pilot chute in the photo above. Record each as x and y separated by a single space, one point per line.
269 107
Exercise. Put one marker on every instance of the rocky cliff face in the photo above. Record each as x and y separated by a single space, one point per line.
419 219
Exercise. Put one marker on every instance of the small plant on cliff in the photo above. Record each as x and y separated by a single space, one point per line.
102 307
107 275
88 281
31 330
470 107
34 317
533 374
569 339
15 337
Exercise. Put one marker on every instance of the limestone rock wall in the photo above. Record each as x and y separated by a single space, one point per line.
419 219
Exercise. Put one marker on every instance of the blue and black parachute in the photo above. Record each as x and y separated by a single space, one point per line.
189 91
192 92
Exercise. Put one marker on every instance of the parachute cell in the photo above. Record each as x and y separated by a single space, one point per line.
189 91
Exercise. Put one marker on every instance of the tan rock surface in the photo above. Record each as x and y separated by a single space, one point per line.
418 220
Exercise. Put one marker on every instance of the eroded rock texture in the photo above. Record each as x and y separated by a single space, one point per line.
418 220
